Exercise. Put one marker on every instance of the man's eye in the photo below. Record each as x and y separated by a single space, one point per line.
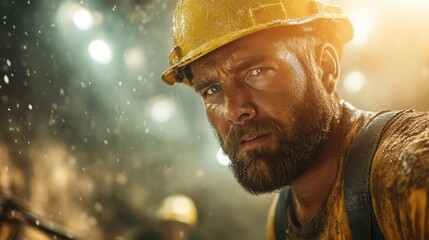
213 89
256 71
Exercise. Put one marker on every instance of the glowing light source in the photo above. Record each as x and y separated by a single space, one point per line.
83 19
100 51
409 3
72 13
354 82
181 205
134 58
6 79
363 22
222 158
178 208
162 109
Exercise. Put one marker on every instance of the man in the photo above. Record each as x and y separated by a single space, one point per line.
267 72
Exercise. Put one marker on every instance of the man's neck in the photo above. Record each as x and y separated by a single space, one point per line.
312 187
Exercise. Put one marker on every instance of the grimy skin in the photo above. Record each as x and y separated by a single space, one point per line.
278 117
258 77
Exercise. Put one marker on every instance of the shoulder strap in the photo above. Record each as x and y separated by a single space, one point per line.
356 187
359 209
280 214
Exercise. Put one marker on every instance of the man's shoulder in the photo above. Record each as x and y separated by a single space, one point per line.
406 137
399 176
404 147
408 125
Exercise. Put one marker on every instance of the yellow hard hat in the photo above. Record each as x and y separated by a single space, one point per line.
178 208
201 26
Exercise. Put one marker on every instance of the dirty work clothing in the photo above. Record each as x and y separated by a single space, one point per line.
399 182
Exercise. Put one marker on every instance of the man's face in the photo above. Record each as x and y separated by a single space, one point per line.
270 113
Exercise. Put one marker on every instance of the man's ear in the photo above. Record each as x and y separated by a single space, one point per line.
329 63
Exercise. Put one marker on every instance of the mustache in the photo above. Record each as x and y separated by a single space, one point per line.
253 128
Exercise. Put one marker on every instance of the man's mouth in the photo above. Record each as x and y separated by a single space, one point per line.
249 142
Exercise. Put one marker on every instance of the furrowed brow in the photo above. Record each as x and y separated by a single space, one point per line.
247 62
202 83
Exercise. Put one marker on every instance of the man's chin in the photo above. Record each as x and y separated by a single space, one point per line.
259 177
257 160
257 190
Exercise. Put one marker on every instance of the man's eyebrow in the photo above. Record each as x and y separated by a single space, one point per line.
201 83
248 62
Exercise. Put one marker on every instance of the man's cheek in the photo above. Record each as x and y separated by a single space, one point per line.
216 117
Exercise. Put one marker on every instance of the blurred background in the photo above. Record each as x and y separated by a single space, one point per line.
92 139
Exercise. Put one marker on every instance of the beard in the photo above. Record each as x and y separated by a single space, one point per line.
264 169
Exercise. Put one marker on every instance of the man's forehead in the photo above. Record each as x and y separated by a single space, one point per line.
238 49
264 40
221 55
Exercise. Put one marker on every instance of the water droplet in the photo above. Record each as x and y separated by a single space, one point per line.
8 62
30 106
6 79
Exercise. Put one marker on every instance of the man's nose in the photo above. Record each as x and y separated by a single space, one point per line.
239 106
